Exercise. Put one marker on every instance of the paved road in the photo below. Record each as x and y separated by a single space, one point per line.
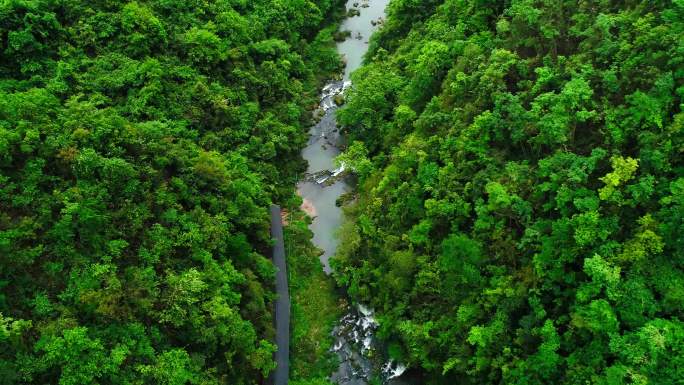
282 306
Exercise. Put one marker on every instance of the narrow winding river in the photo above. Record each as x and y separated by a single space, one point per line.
361 356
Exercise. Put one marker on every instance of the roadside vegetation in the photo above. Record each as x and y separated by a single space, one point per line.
141 144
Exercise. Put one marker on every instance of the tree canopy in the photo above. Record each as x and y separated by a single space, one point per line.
141 144
521 190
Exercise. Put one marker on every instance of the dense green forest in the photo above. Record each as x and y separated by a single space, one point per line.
518 215
141 144
520 208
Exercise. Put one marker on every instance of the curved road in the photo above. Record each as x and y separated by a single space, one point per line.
282 305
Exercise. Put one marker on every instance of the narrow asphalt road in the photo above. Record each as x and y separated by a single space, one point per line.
282 305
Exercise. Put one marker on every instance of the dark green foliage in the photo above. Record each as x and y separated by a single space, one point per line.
315 306
141 144
521 190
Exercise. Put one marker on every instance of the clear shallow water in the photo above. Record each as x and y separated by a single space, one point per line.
325 140
361 356
361 28
318 192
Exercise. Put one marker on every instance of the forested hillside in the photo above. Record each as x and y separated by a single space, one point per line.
520 207
141 144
